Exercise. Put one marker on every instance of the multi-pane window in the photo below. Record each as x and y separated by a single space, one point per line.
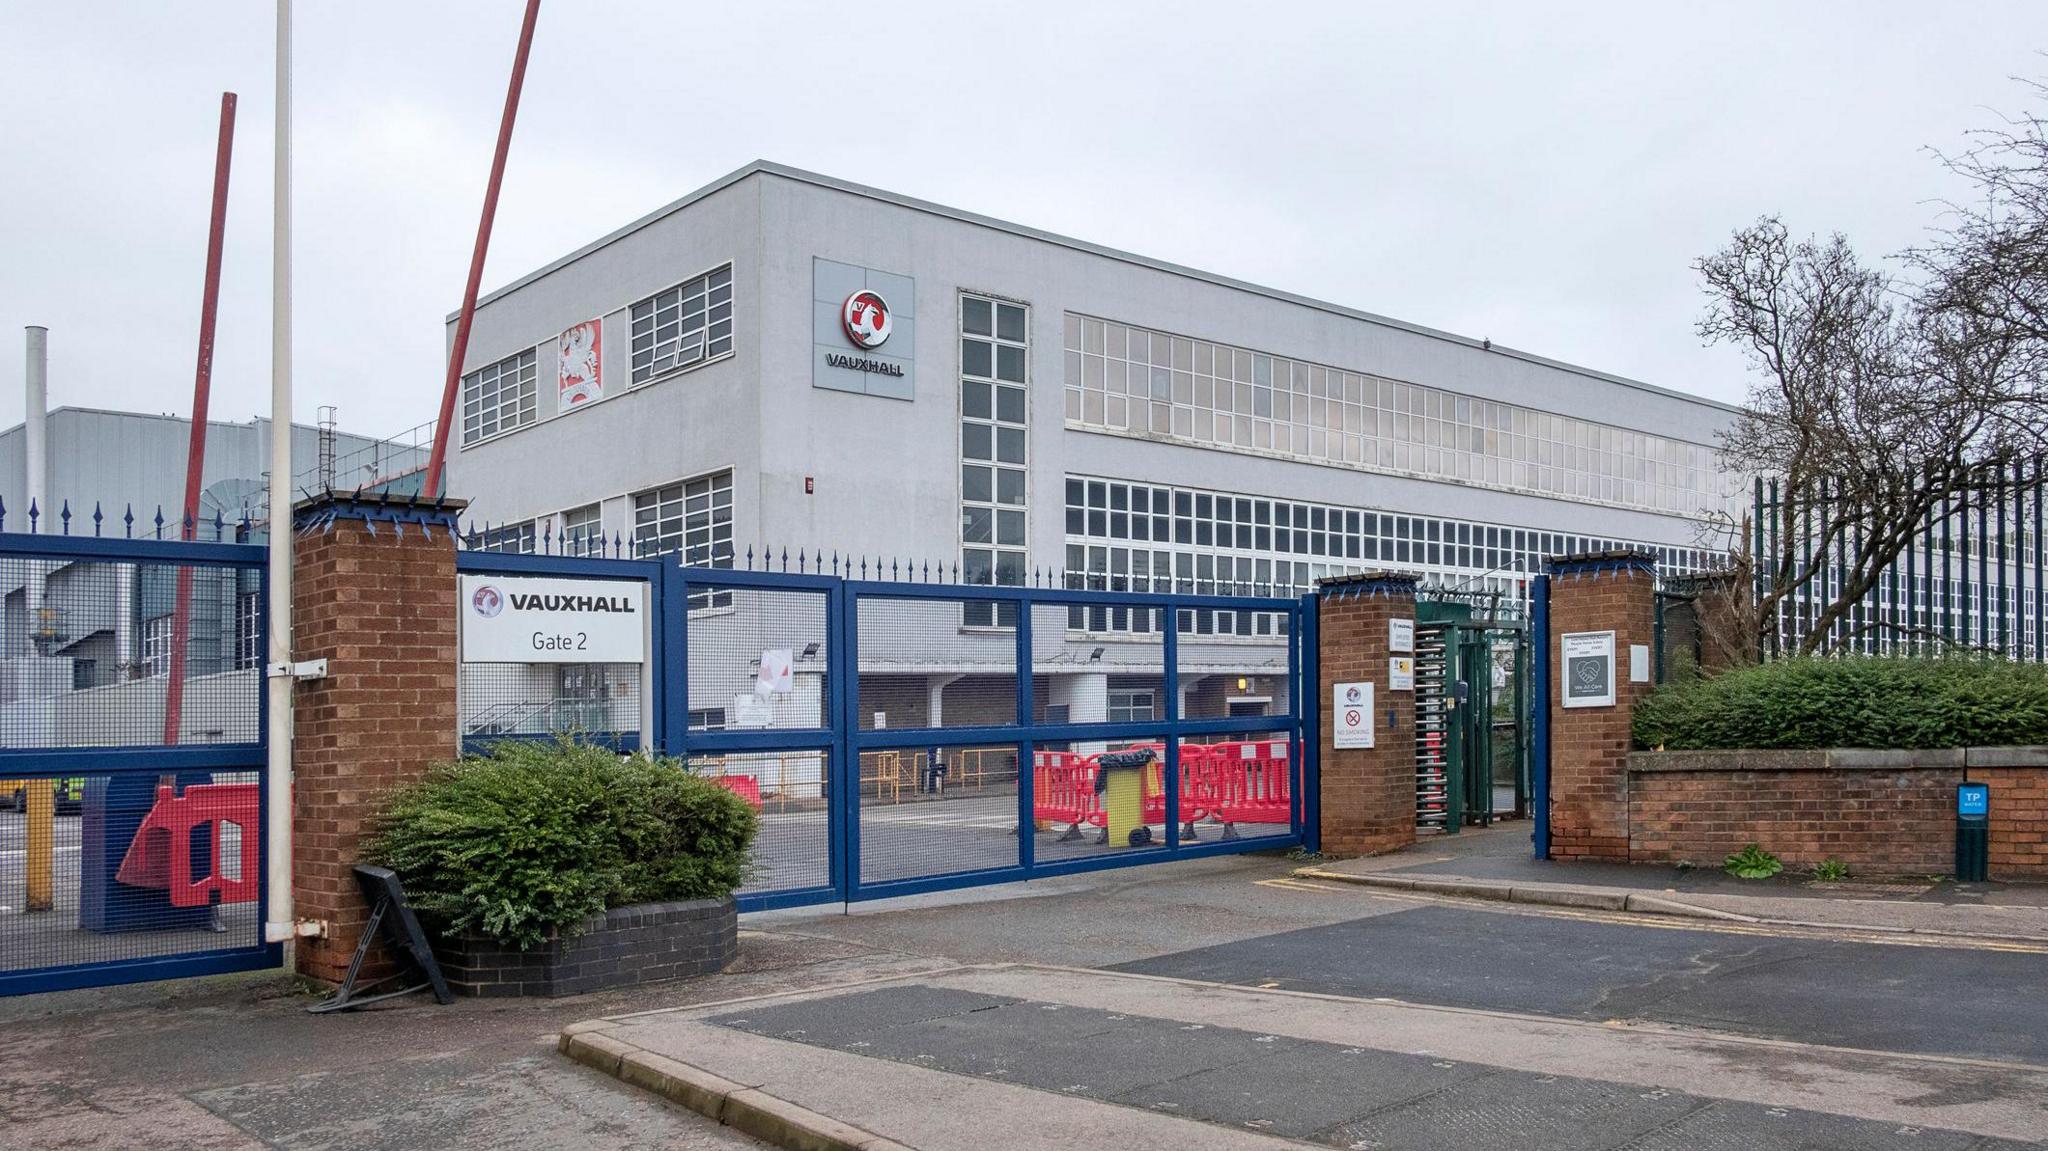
156 646
1121 378
707 719
1131 706
500 397
693 517
583 531
1125 536
248 630
517 538
687 324
994 450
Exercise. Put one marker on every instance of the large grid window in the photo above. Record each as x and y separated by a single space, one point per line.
693 517
1125 536
248 630
1126 379
583 531
994 450
156 646
687 324
500 397
516 538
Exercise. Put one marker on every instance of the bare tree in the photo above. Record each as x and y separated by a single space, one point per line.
1875 403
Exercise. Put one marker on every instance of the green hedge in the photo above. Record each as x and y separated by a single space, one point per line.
533 838
1852 701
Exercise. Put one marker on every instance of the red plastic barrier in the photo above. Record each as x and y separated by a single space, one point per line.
747 787
160 855
1253 782
1062 787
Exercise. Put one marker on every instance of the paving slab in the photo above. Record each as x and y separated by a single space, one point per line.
1072 1058
1875 996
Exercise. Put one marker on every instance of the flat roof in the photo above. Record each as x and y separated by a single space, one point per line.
770 168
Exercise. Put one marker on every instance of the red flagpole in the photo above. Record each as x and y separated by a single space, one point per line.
476 257
202 385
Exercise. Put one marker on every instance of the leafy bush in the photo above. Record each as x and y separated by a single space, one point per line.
1852 701
1753 862
533 838
1830 870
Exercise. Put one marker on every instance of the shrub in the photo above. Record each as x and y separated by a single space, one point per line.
1752 862
531 839
1852 701
1830 870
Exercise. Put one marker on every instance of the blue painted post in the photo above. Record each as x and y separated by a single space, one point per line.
1170 682
1539 706
1308 703
1027 748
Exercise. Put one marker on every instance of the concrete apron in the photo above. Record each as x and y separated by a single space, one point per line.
2026 928
798 1095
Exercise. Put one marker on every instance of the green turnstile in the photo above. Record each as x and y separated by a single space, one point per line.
1460 735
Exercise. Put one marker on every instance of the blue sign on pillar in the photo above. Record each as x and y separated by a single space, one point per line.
1973 801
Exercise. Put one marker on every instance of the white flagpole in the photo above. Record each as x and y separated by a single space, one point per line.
277 810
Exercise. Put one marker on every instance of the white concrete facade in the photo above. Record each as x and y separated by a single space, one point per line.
832 470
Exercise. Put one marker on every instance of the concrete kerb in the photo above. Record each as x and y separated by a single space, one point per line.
768 1118
1611 899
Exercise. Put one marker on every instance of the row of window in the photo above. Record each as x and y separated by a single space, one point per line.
1125 378
693 517
673 329
1293 531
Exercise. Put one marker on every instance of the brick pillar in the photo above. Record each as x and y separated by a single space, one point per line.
374 594
1368 794
1600 591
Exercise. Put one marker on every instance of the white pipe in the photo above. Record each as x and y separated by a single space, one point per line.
277 809
35 468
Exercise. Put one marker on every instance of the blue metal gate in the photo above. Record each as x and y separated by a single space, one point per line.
130 849
935 736
903 737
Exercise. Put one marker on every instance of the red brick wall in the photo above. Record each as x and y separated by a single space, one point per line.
1879 822
1880 818
1589 745
381 610
1368 794
2019 820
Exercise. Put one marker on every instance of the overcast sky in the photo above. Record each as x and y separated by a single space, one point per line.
1536 174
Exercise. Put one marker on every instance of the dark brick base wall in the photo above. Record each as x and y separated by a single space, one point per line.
648 943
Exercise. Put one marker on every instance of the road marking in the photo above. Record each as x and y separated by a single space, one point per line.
1301 885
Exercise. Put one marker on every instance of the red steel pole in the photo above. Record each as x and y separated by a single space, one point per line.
476 257
202 385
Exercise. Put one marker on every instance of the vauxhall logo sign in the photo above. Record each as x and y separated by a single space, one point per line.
516 619
865 319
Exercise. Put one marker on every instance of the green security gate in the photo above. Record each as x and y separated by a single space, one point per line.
1471 711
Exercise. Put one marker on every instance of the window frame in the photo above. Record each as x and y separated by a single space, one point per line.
503 429
654 377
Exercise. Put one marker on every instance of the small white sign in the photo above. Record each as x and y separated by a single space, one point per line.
1400 635
751 711
1639 663
1588 668
524 619
1351 715
1401 673
776 673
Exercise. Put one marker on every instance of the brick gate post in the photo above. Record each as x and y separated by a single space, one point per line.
1368 794
373 593
1596 592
